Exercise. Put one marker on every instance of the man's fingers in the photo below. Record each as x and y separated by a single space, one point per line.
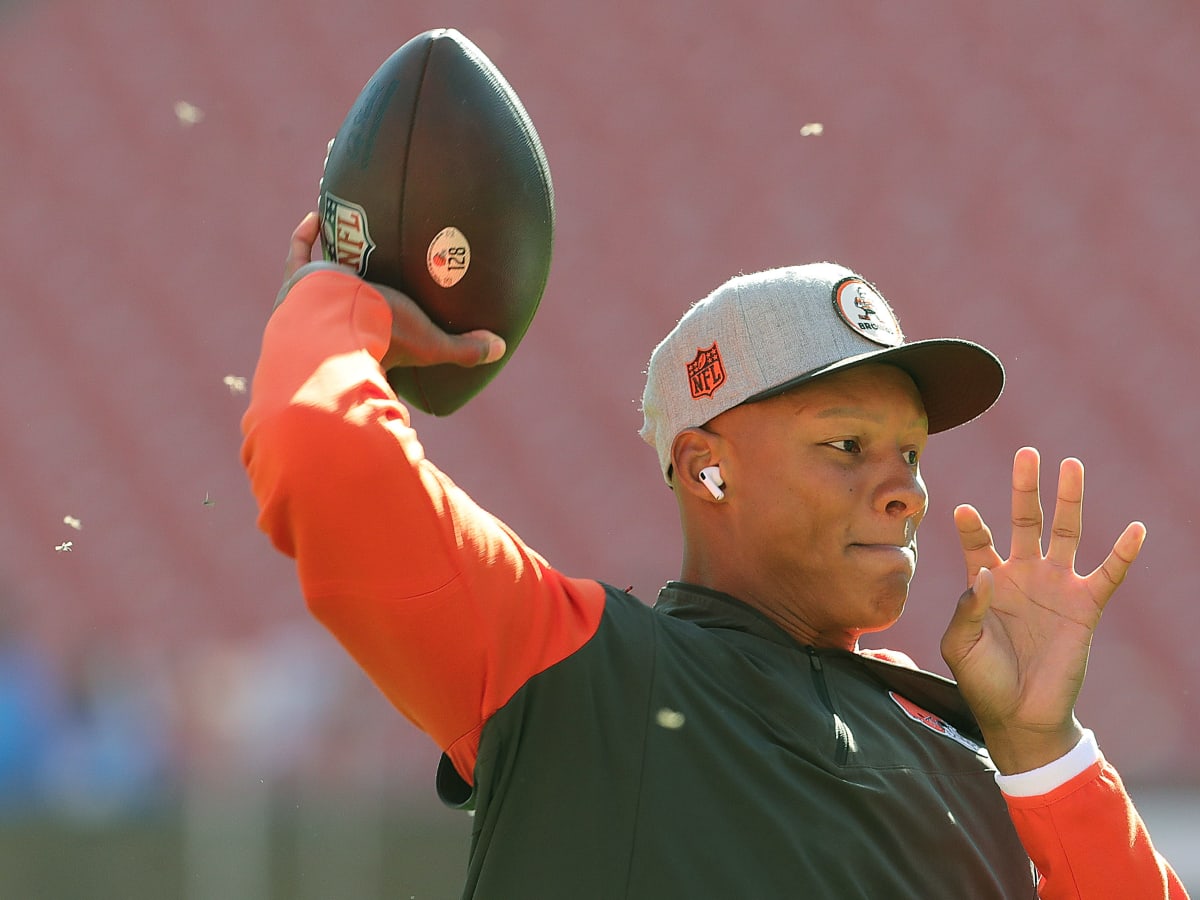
418 341
301 247
1068 515
976 540
429 346
1026 506
1110 573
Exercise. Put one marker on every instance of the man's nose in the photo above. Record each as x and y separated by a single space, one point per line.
903 493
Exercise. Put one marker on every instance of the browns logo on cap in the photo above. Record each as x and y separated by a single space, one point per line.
864 309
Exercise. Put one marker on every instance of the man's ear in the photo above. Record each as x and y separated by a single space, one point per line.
694 450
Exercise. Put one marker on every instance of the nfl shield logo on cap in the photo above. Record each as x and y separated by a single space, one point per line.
706 372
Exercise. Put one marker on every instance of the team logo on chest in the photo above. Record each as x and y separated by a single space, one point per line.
934 723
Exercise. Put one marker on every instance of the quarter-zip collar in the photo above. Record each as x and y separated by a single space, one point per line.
708 608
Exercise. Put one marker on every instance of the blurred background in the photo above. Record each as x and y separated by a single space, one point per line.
172 724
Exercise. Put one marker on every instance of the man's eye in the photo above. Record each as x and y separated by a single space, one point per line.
847 445
911 457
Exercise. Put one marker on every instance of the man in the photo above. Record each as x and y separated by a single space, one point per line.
733 741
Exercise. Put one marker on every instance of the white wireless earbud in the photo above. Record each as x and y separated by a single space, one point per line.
711 476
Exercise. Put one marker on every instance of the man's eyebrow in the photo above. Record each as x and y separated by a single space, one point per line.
848 412
856 412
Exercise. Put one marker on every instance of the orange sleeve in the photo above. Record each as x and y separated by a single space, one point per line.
444 607
1087 841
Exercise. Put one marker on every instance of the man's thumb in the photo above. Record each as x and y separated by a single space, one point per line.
966 625
477 348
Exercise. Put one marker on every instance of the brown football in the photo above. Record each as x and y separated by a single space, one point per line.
436 184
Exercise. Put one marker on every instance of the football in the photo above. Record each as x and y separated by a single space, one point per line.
436 184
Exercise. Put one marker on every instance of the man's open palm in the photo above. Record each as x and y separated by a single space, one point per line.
1018 641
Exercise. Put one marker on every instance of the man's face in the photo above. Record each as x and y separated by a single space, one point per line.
825 497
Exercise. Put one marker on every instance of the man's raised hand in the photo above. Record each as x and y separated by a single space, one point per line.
416 341
1019 638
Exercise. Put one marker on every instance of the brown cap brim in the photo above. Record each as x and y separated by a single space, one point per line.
958 380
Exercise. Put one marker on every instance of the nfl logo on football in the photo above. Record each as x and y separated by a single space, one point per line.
344 234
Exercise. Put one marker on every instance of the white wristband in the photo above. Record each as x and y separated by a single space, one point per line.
1054 774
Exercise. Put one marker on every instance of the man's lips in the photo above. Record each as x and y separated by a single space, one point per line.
906 542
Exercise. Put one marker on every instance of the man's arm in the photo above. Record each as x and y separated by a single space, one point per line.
1083 833
445 608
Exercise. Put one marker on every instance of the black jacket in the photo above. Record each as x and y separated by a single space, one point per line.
694 750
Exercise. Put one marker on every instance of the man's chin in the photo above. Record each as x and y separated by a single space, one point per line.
887 609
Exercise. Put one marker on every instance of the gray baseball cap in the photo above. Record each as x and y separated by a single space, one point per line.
759 335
